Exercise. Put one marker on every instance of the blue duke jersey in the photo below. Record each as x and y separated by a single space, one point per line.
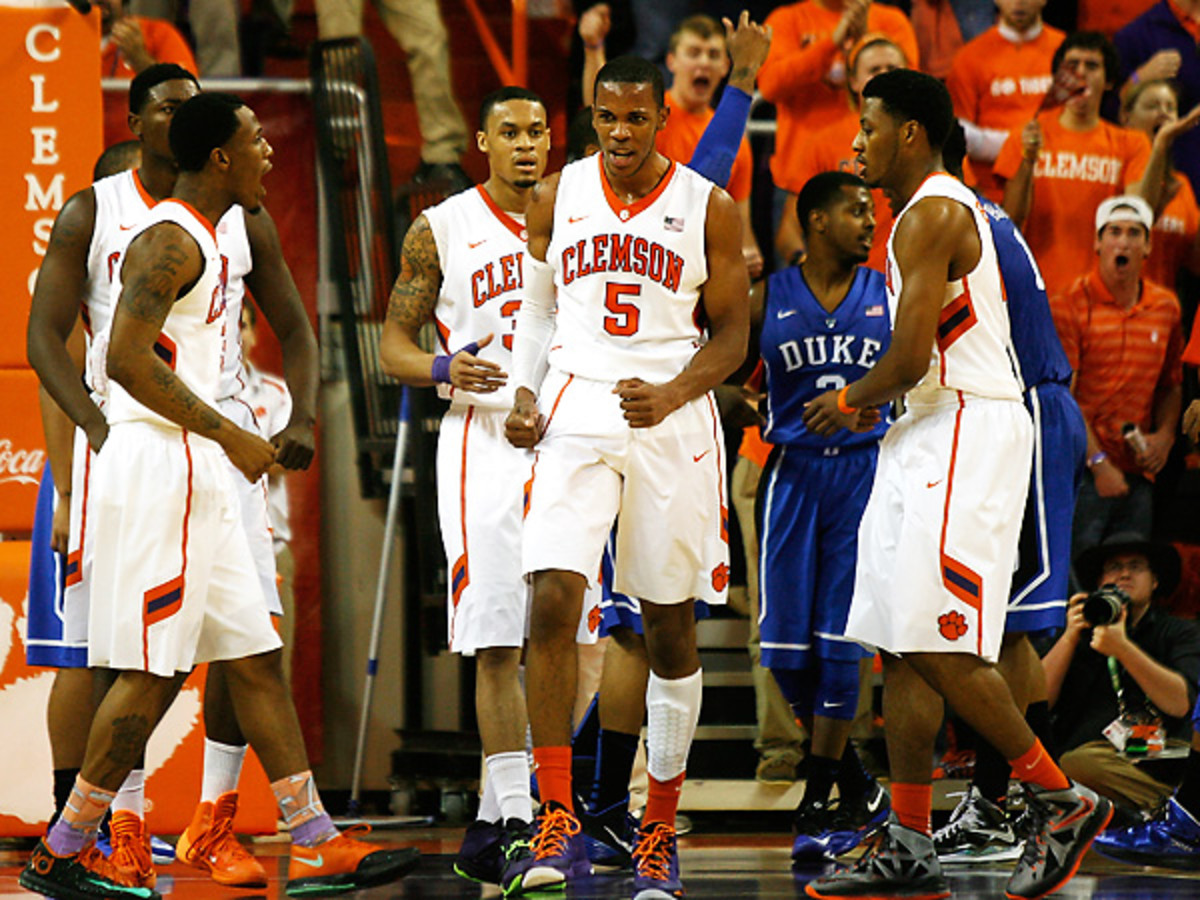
808 351
1040 355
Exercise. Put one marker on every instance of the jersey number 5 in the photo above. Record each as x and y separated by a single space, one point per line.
625 315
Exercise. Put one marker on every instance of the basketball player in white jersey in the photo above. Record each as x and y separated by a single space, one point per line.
463 267
75 282
174 581
938 539
641 251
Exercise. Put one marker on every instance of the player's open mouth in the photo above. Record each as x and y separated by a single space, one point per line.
1121 260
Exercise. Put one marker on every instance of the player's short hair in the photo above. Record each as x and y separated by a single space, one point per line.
503 95
909 95
955 150
117 158
200 125
702 26
581 134
821 191
1089 40
633 70
149 78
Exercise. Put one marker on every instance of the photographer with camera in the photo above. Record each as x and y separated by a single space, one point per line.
1122 677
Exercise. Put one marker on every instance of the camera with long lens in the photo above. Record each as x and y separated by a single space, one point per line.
1103 606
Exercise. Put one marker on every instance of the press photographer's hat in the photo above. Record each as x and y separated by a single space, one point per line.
1163 558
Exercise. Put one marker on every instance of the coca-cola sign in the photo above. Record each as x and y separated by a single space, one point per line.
22 466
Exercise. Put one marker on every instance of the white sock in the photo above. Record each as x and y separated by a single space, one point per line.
489 806
131 795
672 711
508 776
222 769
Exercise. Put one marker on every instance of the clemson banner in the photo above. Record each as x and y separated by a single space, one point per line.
50 79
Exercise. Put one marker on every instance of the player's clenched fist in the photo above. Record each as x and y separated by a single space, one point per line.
523 427
248 452
644 404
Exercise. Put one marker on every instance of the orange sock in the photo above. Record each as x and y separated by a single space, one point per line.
662 799
1036 767
553 768
913 806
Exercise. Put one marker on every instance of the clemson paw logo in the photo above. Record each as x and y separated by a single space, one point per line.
594 619
952 625
720 577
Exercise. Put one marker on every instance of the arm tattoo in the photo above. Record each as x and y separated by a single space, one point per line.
150 293
415 293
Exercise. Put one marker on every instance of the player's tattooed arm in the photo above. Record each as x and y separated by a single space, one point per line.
161 264
54 311
410 307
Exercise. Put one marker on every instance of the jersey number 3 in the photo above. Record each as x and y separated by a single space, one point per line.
625 316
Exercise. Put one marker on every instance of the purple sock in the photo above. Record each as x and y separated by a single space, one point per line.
315 831
63 840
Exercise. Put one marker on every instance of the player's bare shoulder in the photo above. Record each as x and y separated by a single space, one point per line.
723 222
75 223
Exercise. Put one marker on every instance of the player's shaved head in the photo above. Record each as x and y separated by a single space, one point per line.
911 96
202 124
821 191
150 78
633 70
503 95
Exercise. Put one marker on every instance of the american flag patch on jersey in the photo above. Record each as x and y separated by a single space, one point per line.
673 223
874 311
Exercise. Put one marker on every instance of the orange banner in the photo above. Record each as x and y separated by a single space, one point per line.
49 77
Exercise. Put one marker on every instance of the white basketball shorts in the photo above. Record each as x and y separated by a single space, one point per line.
666 482
938 540
252 499
173 583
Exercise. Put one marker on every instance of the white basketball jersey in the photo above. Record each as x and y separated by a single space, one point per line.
234 246
628 276
481 249
973 351
121 206
190 340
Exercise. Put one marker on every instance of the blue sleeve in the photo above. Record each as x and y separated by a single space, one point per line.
718 146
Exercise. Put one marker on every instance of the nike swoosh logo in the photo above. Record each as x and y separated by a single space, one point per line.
700 457
473 244
315 863
784 313
1075 817
571 220
933 484
127 227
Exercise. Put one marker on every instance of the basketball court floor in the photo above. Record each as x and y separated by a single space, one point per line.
715 865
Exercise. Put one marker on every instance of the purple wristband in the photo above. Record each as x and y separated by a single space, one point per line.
440 371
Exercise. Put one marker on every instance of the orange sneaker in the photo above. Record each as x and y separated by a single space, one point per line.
345 864
131 849
208 843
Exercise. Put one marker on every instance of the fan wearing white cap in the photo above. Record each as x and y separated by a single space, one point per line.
1123 337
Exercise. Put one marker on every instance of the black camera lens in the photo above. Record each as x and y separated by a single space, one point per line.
1103 605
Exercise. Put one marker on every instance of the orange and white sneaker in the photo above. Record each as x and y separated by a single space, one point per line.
208 843
345 864
131 849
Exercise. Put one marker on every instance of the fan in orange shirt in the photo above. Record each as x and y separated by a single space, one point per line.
829 149
1147 107
805 72
129 44
997 81
1060 166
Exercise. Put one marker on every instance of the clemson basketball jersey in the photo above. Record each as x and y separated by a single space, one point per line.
121 206
973 350
234 247
481 249
190 340
628 275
